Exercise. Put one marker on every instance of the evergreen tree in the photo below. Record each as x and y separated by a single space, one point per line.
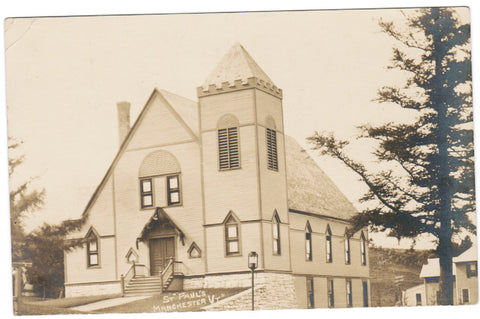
22 202
424 183
45 247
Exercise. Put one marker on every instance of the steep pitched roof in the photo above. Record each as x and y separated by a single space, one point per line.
237 64
186 108
432 268
309 188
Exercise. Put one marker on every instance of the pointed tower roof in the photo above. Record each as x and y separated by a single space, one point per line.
236 68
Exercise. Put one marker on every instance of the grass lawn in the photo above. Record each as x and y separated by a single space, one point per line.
38 306
192 300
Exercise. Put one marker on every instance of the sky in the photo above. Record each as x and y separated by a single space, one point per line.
69 77
64 76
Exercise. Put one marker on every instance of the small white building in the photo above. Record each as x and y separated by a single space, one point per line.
465 284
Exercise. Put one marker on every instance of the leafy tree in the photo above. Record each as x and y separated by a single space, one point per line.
423 181
45 247
22 202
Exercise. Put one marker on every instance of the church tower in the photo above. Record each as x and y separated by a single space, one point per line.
243 167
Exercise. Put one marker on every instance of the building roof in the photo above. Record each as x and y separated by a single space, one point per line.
186 108
469 255
432 268
310 189
237 64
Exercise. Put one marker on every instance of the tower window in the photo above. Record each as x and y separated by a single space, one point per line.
276 235
228 154
146 192
232 236
272 158
173 190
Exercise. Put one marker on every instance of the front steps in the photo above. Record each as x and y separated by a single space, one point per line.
143 285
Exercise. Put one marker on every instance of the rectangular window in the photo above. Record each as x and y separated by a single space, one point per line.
363 250
310 293
228 153
418 298
472 269
232 239
365 293
272 149
146 193
349 294
331 294
173 190
92 252
465 296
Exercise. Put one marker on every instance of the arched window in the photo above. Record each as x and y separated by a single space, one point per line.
308 242
92 239
159 167
363 249
328 242
271 141
232 235
228 142
347 248
276 234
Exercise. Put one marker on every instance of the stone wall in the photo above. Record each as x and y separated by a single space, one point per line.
272 291
93 289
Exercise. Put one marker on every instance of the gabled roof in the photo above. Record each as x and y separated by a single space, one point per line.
469 255
309 189
159 217
237 64
186 108
432 268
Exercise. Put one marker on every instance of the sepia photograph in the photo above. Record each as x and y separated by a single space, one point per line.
240 161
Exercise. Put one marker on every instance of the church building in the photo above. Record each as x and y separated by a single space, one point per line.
198 185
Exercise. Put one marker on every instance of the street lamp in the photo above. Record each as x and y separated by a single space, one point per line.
253 264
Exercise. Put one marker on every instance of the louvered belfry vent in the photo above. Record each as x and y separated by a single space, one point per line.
228 152
272 149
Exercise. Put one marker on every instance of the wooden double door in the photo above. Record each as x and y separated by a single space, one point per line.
161 251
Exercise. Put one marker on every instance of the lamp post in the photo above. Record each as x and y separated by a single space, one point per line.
253 264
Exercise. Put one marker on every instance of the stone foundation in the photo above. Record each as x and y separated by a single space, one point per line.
81 290
272 290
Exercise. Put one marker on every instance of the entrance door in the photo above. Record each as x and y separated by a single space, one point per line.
161 250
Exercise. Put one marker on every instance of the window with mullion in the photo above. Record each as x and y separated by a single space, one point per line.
272 157
471 269
146 193
173 190
232 237
92 251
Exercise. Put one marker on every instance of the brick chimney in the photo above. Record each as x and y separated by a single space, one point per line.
123 109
